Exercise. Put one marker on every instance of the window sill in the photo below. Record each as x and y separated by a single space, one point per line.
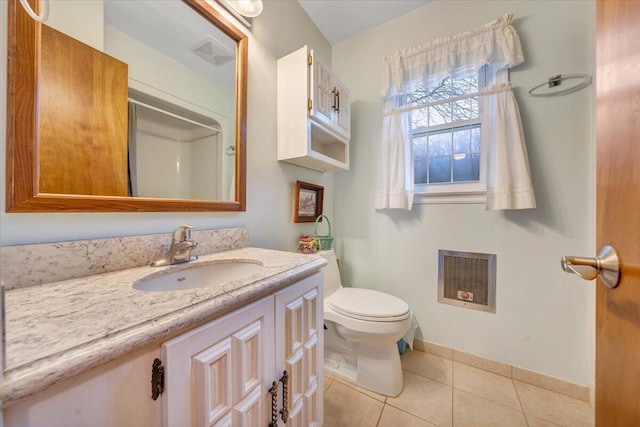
449 198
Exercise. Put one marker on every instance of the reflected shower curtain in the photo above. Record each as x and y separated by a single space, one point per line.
133 172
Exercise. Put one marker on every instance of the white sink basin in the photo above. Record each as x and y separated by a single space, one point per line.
199 276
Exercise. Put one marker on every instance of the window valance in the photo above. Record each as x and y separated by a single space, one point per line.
496 44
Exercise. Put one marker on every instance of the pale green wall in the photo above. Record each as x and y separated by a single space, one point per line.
544 316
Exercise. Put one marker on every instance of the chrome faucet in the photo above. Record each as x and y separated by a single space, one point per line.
180 249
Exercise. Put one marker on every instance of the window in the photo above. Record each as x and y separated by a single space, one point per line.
446 136
447 126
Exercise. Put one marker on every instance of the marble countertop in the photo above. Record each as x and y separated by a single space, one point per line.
58 330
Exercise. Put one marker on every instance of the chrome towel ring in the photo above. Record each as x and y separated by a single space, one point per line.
555 81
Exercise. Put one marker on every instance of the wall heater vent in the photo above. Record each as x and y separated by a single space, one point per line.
467 279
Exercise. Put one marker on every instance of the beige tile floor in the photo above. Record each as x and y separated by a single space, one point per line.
444 393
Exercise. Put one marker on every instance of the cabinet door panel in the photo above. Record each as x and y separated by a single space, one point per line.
298 319
296 416
343 113
295 368
247 353
232 354
311 303
311 361
212 383
311 406
225 422
249 412
322 93
294 326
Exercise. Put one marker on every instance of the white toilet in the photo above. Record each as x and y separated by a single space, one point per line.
362 327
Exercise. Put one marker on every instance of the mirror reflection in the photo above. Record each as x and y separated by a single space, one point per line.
181 73
125 106
177 156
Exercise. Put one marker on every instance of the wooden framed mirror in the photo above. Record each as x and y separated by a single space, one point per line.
31 162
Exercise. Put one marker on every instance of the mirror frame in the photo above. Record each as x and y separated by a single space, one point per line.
22 192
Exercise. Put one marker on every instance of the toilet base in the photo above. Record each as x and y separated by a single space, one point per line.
372 367
341 366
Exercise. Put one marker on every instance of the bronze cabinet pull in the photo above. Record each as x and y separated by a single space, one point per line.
273 391
334 92
285 397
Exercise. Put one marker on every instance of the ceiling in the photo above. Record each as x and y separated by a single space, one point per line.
339 20
193 41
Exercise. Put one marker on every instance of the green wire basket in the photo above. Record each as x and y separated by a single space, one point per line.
324 241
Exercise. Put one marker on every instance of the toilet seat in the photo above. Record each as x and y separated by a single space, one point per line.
368 305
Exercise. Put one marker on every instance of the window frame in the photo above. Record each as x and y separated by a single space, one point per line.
468 191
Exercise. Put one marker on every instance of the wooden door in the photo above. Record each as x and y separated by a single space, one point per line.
82 118
618 211
299 350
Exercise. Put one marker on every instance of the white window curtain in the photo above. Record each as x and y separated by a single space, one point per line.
496 44
505 153
394 186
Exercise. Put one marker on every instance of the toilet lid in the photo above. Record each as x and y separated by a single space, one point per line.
367 304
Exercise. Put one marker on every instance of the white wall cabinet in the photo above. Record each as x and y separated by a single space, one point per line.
314 113
220 373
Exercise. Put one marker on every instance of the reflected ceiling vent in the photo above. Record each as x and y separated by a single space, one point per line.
212 51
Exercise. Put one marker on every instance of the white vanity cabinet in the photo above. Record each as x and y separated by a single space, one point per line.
114 394
219 374
314 113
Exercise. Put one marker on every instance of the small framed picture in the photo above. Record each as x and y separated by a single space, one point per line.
309 199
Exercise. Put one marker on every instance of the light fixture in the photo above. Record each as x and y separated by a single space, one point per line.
248 8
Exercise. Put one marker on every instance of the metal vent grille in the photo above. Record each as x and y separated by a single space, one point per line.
467 279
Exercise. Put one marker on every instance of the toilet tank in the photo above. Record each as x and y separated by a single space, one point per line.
331 273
